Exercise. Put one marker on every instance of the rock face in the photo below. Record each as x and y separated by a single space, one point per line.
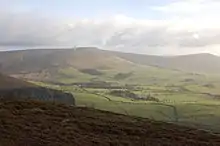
42 94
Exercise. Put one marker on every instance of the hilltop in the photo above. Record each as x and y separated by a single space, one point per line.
39 124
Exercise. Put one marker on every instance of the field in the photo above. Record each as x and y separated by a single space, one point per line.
183 98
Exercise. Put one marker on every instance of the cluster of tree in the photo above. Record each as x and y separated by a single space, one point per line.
122 76
209 85
93 72
129 94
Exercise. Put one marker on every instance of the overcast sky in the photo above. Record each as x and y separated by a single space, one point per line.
162 27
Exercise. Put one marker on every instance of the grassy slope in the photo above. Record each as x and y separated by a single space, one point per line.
50 64
34 123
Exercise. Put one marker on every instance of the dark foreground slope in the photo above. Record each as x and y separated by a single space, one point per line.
15 89
7 82
40 124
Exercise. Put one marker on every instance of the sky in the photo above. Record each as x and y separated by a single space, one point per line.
159 27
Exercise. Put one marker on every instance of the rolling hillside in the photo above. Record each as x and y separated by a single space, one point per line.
36 60
196 63
61 63
40 124
89 64
44 60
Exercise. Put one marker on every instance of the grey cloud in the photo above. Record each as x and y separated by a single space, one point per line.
205 38
25 30
33 30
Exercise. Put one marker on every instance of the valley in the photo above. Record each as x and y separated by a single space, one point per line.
109 73
177 104
144 85
131 84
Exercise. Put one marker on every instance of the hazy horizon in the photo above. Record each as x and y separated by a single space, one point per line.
69 48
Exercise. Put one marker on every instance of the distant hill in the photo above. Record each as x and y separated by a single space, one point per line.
15 89
47 64
196 63
40 124
36 60
87 63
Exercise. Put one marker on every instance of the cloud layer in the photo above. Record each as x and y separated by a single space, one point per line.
189 26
